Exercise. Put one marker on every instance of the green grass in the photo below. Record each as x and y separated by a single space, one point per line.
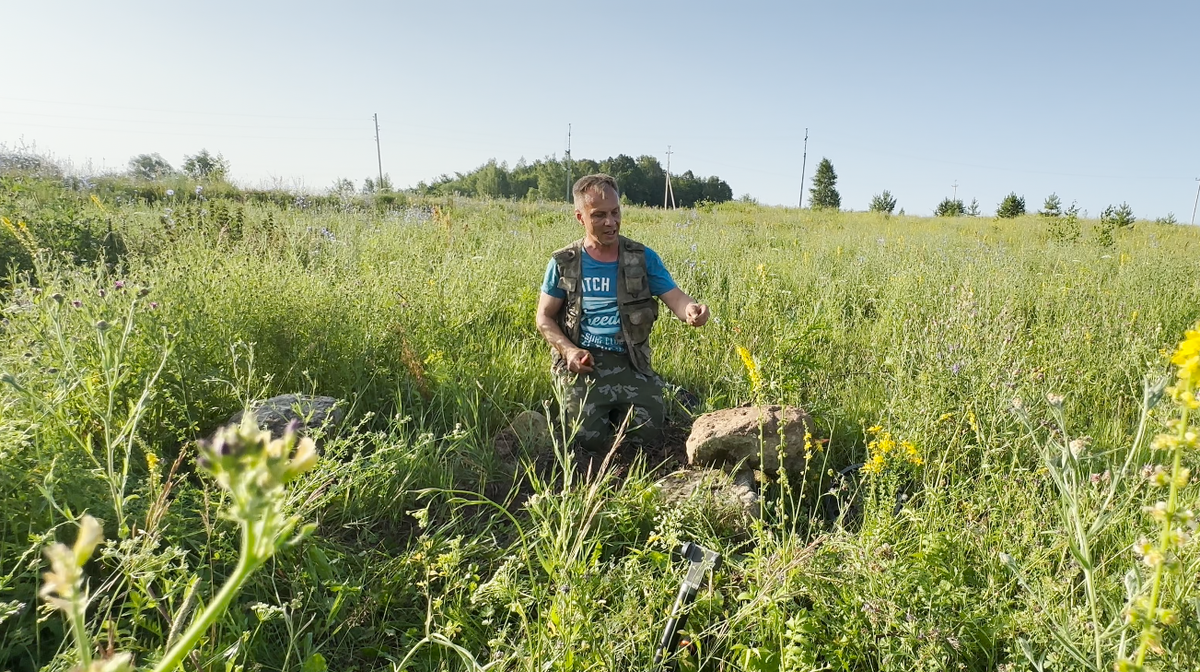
421 317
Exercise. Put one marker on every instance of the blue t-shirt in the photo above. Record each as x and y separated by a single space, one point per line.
601 321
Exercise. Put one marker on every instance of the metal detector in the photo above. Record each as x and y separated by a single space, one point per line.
700 560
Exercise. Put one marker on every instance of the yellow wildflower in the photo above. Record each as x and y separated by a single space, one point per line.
756 380
1187 358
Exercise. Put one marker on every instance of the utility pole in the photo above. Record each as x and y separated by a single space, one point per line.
568 163
378 153
1196 201
667 186
803 165
955 196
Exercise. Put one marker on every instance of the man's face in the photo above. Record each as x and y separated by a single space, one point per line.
599 210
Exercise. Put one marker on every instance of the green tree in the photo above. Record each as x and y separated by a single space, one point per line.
1052 207
492 180
950 208
150 167
1118 216
824 193
205 166
343 188
973 210
1011 206
884 202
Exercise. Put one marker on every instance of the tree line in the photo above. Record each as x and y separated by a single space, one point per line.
824 195
643 181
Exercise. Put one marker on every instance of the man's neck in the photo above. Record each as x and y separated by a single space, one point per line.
600 252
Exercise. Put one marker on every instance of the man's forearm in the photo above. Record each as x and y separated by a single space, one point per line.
677 301
554 335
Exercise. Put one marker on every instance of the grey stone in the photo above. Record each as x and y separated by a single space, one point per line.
309 412
713 488
735 437
528 434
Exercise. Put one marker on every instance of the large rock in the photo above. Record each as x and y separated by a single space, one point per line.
528 434
275 414
731 438
713 488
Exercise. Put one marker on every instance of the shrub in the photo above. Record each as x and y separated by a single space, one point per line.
1052 207
205 166
950 208
1119 216
150 167
884 202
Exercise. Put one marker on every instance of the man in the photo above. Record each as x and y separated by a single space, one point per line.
596 310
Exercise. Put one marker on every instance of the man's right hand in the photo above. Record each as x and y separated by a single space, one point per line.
579 360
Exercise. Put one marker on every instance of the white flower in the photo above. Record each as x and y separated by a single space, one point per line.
170 192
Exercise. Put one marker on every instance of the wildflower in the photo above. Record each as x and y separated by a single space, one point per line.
199 189
102 325
1077 446
76 303
64 582
153 305
911 454
1159 512
1187 358
170 192
1158 477
119 284
143 292
1054 400
756 380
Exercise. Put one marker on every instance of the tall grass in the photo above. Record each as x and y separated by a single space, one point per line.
421 317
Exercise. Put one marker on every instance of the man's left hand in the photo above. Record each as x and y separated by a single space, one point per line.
696 314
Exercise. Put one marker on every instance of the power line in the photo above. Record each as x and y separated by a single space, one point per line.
194 112
174 123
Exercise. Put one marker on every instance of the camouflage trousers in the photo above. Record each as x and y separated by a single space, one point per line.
602 399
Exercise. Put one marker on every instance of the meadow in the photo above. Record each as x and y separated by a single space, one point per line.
1022 360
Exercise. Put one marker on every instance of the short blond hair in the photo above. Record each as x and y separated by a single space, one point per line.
590 182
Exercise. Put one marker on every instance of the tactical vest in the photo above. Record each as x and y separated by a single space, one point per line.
636 306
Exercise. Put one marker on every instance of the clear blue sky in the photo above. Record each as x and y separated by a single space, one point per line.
1097 101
